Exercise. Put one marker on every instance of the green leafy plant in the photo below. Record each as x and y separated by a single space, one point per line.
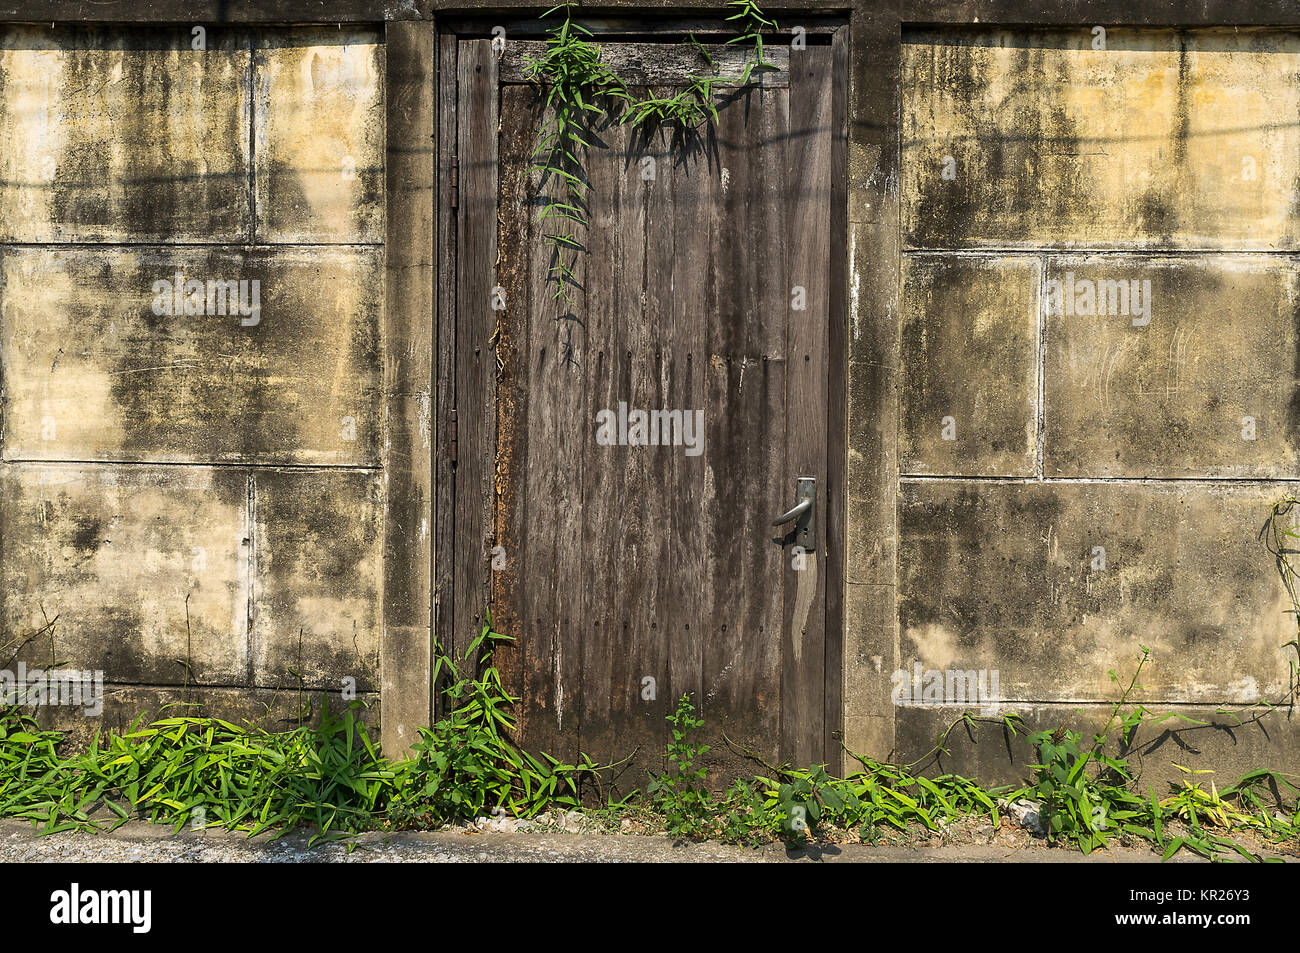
466 764
683 112
892 796
207 772
753 23
201 771
1085 792
579 86
583 94
1089 795
680 793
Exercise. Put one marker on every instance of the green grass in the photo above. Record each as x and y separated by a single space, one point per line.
330 778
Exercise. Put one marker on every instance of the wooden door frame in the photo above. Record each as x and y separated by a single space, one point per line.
451 31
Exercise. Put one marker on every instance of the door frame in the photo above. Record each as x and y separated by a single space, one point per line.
453 427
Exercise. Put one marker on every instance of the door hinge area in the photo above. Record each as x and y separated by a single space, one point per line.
455 182
451 437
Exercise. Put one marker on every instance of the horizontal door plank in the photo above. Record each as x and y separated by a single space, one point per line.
663 64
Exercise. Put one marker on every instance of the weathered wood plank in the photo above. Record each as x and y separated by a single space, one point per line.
660 64
511 517
572 534
808 193
603 363
554 474
837 405
668 328
444 544
746 433
638 27
696 209
621 481
475 326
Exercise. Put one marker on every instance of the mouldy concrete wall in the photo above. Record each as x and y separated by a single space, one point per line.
1163 139
197 498
1109 463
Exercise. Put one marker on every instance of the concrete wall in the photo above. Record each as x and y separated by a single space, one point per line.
196 498
1078 478
1073 430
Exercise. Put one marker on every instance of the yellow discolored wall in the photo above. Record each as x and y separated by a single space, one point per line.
190 490
1098 391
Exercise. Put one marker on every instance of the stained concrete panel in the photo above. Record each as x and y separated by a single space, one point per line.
969 376
266 708
142 569
1230 743
123 135
91 372
1162 138
319 578
1054 584
319 135
1205 383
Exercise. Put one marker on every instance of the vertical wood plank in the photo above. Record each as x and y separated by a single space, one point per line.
518 205
475 326
444 544
624 487
746 423
668 324
803 683
555 352
609 240
696 217
837 404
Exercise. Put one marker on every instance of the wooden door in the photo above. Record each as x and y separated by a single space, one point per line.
631 573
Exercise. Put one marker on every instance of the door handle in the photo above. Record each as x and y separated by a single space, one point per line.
798 510
804 514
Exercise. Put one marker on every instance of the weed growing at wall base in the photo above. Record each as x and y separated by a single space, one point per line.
330 777
205 772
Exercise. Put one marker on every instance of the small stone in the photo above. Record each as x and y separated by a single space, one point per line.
1027 814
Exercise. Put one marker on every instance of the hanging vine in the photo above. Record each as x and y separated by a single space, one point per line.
753 23
582 90
570 68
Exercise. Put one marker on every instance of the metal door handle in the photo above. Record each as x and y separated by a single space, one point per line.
804 514
798 510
